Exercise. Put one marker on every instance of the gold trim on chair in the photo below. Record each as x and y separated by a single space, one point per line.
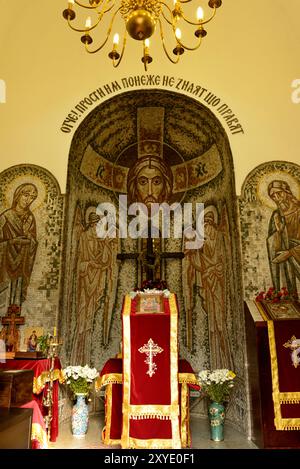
184 415
109 378
188 378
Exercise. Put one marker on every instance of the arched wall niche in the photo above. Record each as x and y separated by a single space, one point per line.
195 148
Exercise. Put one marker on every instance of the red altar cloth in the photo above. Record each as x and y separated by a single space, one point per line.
40 380
150 405
284 343
39 438
111 376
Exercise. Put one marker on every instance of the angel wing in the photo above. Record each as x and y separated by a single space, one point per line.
113 248
188 282
77 228
224 229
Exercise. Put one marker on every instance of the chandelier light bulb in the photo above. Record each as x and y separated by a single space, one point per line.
147 42
200 13
71 3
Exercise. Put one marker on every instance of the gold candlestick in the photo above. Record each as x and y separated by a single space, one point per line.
48 399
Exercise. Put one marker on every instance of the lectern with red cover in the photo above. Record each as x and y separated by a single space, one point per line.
150 403
147 387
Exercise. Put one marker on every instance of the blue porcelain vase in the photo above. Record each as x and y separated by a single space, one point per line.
216 415
80 416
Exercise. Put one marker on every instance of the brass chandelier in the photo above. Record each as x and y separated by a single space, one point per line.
141 18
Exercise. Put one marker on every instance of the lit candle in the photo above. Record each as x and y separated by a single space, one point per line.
88 22
178 33
116 40
147 45
200 13
54 332
70 4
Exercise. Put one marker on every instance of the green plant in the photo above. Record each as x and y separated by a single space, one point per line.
43 343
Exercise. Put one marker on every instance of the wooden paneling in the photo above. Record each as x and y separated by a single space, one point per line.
15 428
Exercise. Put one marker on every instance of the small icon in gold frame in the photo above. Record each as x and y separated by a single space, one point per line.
150 304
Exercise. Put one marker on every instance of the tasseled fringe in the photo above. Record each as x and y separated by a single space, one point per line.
290 401
291 427
106 382
150 416
189 381
112 381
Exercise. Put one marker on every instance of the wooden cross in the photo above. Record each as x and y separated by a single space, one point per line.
149 258
12 320
151 350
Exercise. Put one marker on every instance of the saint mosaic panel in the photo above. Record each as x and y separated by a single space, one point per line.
270 228
31 217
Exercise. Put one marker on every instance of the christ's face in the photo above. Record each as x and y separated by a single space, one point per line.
150 185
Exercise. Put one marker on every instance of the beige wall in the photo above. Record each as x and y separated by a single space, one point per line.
249 59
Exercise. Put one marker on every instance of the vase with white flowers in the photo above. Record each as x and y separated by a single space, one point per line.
217 386
80 379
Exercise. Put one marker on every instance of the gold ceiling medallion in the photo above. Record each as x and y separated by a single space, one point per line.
140 18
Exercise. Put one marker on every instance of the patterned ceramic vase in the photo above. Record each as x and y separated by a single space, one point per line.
216 415
80 416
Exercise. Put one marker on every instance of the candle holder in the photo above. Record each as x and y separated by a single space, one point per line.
54 343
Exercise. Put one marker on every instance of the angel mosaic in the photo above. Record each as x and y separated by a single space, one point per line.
205 274
94 283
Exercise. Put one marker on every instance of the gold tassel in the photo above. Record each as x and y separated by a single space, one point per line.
149 416
290 401
291 428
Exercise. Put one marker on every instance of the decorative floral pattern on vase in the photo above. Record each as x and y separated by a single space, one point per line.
216 415
80 416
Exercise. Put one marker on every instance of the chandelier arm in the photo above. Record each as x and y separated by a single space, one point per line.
108 9
117 63
201 22
85 30
165 18
164 46
107 35
86 6
189 48
167 6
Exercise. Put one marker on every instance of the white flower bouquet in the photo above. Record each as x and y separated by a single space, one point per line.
79 378
217 384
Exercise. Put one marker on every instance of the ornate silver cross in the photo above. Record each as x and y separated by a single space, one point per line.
150 349
294 345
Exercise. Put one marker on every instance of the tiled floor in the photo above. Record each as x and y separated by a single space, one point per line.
199 429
